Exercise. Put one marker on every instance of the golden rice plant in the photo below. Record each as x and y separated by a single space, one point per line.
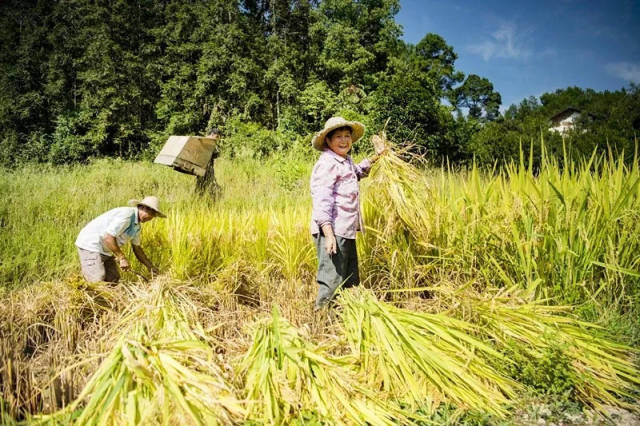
400 192
566 232
286 375
194 238
422 358
290 245
603 370
161 369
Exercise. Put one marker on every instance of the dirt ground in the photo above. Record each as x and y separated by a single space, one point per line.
543 415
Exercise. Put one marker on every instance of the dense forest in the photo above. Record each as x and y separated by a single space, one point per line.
81 79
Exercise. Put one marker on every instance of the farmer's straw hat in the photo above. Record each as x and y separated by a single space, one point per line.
150 202
357 130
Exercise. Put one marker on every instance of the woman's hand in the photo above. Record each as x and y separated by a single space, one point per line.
378 144
330 245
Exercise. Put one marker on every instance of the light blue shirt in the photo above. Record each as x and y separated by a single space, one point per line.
121 223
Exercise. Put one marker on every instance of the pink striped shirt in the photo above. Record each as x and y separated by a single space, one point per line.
335 194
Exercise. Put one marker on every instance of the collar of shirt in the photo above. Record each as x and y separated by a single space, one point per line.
328 152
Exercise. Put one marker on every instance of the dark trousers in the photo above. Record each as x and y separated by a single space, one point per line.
334 271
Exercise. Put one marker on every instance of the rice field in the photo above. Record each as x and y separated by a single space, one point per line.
483 292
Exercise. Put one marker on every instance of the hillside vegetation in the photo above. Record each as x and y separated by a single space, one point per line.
83 79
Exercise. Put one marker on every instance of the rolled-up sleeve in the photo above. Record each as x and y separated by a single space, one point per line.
323 180
117 225
362 169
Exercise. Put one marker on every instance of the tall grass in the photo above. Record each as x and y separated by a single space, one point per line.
44 208
569 233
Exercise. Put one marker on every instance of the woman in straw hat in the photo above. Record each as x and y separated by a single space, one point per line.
102 238
336 216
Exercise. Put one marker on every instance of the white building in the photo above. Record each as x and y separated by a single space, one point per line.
565 120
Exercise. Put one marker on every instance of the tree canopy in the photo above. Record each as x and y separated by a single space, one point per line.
87 78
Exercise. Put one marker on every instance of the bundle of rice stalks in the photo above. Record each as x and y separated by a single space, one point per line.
285 375
161 370
41 325
423 358
602 370
404 241
401 192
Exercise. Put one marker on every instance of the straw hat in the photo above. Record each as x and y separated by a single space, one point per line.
150 202
357 130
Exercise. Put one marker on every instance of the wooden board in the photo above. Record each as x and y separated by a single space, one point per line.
187 154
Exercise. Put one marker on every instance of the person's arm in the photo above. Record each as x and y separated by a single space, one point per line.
362 169
142 257
323 179
116 227
111 243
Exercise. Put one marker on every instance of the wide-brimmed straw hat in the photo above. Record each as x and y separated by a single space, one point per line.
150 202
357 130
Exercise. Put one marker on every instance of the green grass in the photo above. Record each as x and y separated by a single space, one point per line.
44 208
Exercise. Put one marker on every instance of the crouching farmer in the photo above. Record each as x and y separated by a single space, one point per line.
100 241
336 217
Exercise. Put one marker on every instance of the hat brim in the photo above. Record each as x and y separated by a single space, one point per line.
140 203
357 130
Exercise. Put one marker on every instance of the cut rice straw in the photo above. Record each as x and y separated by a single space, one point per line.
160 371
423 358
286 375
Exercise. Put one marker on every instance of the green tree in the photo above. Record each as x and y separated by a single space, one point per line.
436 58
24 51
84 78
477 94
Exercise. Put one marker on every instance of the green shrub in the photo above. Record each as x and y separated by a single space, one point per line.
549 375
69 144
252 140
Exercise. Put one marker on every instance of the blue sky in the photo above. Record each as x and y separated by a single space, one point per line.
526 48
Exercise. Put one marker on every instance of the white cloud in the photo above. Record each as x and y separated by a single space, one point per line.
625 70
504 43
